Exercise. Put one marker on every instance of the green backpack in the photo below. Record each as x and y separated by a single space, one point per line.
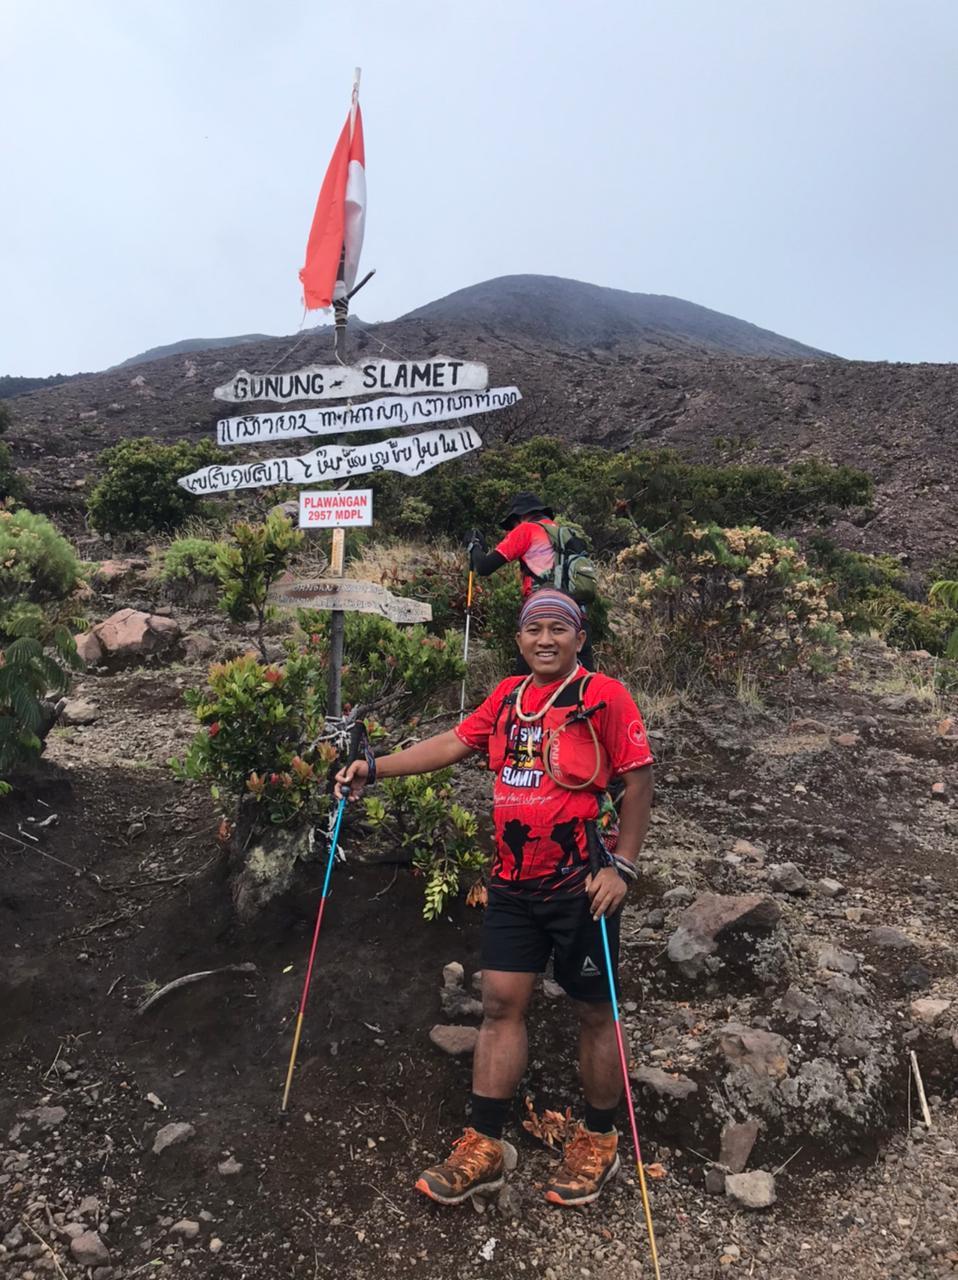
574 571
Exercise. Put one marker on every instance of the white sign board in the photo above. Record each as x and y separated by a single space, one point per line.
385 414
349 596
337 381
411 455
335 508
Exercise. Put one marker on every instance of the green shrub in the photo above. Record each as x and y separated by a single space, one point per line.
249 565
39 572
385 665
420 814
944 594
138 491
188 566
261 736
726 601
609 493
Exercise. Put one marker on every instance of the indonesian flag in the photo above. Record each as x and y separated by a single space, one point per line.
339 218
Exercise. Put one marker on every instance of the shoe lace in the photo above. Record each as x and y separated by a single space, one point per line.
583 1154
468 1151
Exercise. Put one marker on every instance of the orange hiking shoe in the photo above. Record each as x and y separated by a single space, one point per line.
475 1164
589 1161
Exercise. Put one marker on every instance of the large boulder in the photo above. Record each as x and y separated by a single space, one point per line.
711 916
128 636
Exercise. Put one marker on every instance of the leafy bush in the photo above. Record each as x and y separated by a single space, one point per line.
262 734
385 664
945 593
248 566
189 565
138 491
38 574
609 493
421 816
722 601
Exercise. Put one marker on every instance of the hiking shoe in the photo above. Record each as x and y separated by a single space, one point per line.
475 1164
588 1163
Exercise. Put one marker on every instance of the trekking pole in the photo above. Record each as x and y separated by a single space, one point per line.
354 743
465 644
595 859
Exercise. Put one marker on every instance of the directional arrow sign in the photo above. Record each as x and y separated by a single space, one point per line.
337 382
411 455
386 414
347 595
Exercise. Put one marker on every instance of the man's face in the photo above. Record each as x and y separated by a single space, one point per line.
550 646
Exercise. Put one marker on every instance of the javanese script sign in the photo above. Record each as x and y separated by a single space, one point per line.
385 414
335 508
336 382
349 596
411 455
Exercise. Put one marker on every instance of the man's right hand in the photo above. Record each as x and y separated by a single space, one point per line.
351 781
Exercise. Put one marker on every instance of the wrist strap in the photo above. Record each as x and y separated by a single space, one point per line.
625 868
370 762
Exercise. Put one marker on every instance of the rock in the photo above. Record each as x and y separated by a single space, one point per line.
111 571
736 1145
846 740
457 1003
453 974
796 1004
715 1180
216 1244
762 1052
89 1250
88 648
754 1190
89 1206
938 790
838 961
664 1083
45 1118
887 936
929 1010
288 509
678 896
808 726
655 919
186 1228
508 1202
831 888
751 1191
131 634
172 1135
197 646
710 916
787 878
78 711
229 1167
457 1041
745 849
74 1229
551 989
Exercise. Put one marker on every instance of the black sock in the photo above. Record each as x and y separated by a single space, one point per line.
489 1115
600 1119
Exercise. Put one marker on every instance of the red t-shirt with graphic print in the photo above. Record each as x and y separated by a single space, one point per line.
529 543
540 826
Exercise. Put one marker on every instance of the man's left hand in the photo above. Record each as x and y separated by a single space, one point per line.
606 892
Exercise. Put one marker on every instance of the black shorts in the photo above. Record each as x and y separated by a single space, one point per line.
520 931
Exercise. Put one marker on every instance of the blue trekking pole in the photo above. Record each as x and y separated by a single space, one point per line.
596 860
354 742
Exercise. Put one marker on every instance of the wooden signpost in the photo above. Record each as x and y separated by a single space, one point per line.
348 595
410 455
339 381
385 414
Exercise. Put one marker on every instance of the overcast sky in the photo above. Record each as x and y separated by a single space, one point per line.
790 162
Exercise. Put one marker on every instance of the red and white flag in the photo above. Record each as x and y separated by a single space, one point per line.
339 218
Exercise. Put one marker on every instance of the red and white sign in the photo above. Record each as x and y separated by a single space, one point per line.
335 509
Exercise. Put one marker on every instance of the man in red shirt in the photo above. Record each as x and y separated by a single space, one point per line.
554 739
527 542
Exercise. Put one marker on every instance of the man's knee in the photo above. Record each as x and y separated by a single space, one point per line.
505 997
594 1015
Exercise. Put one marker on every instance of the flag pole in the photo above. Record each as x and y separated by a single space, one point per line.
337 623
